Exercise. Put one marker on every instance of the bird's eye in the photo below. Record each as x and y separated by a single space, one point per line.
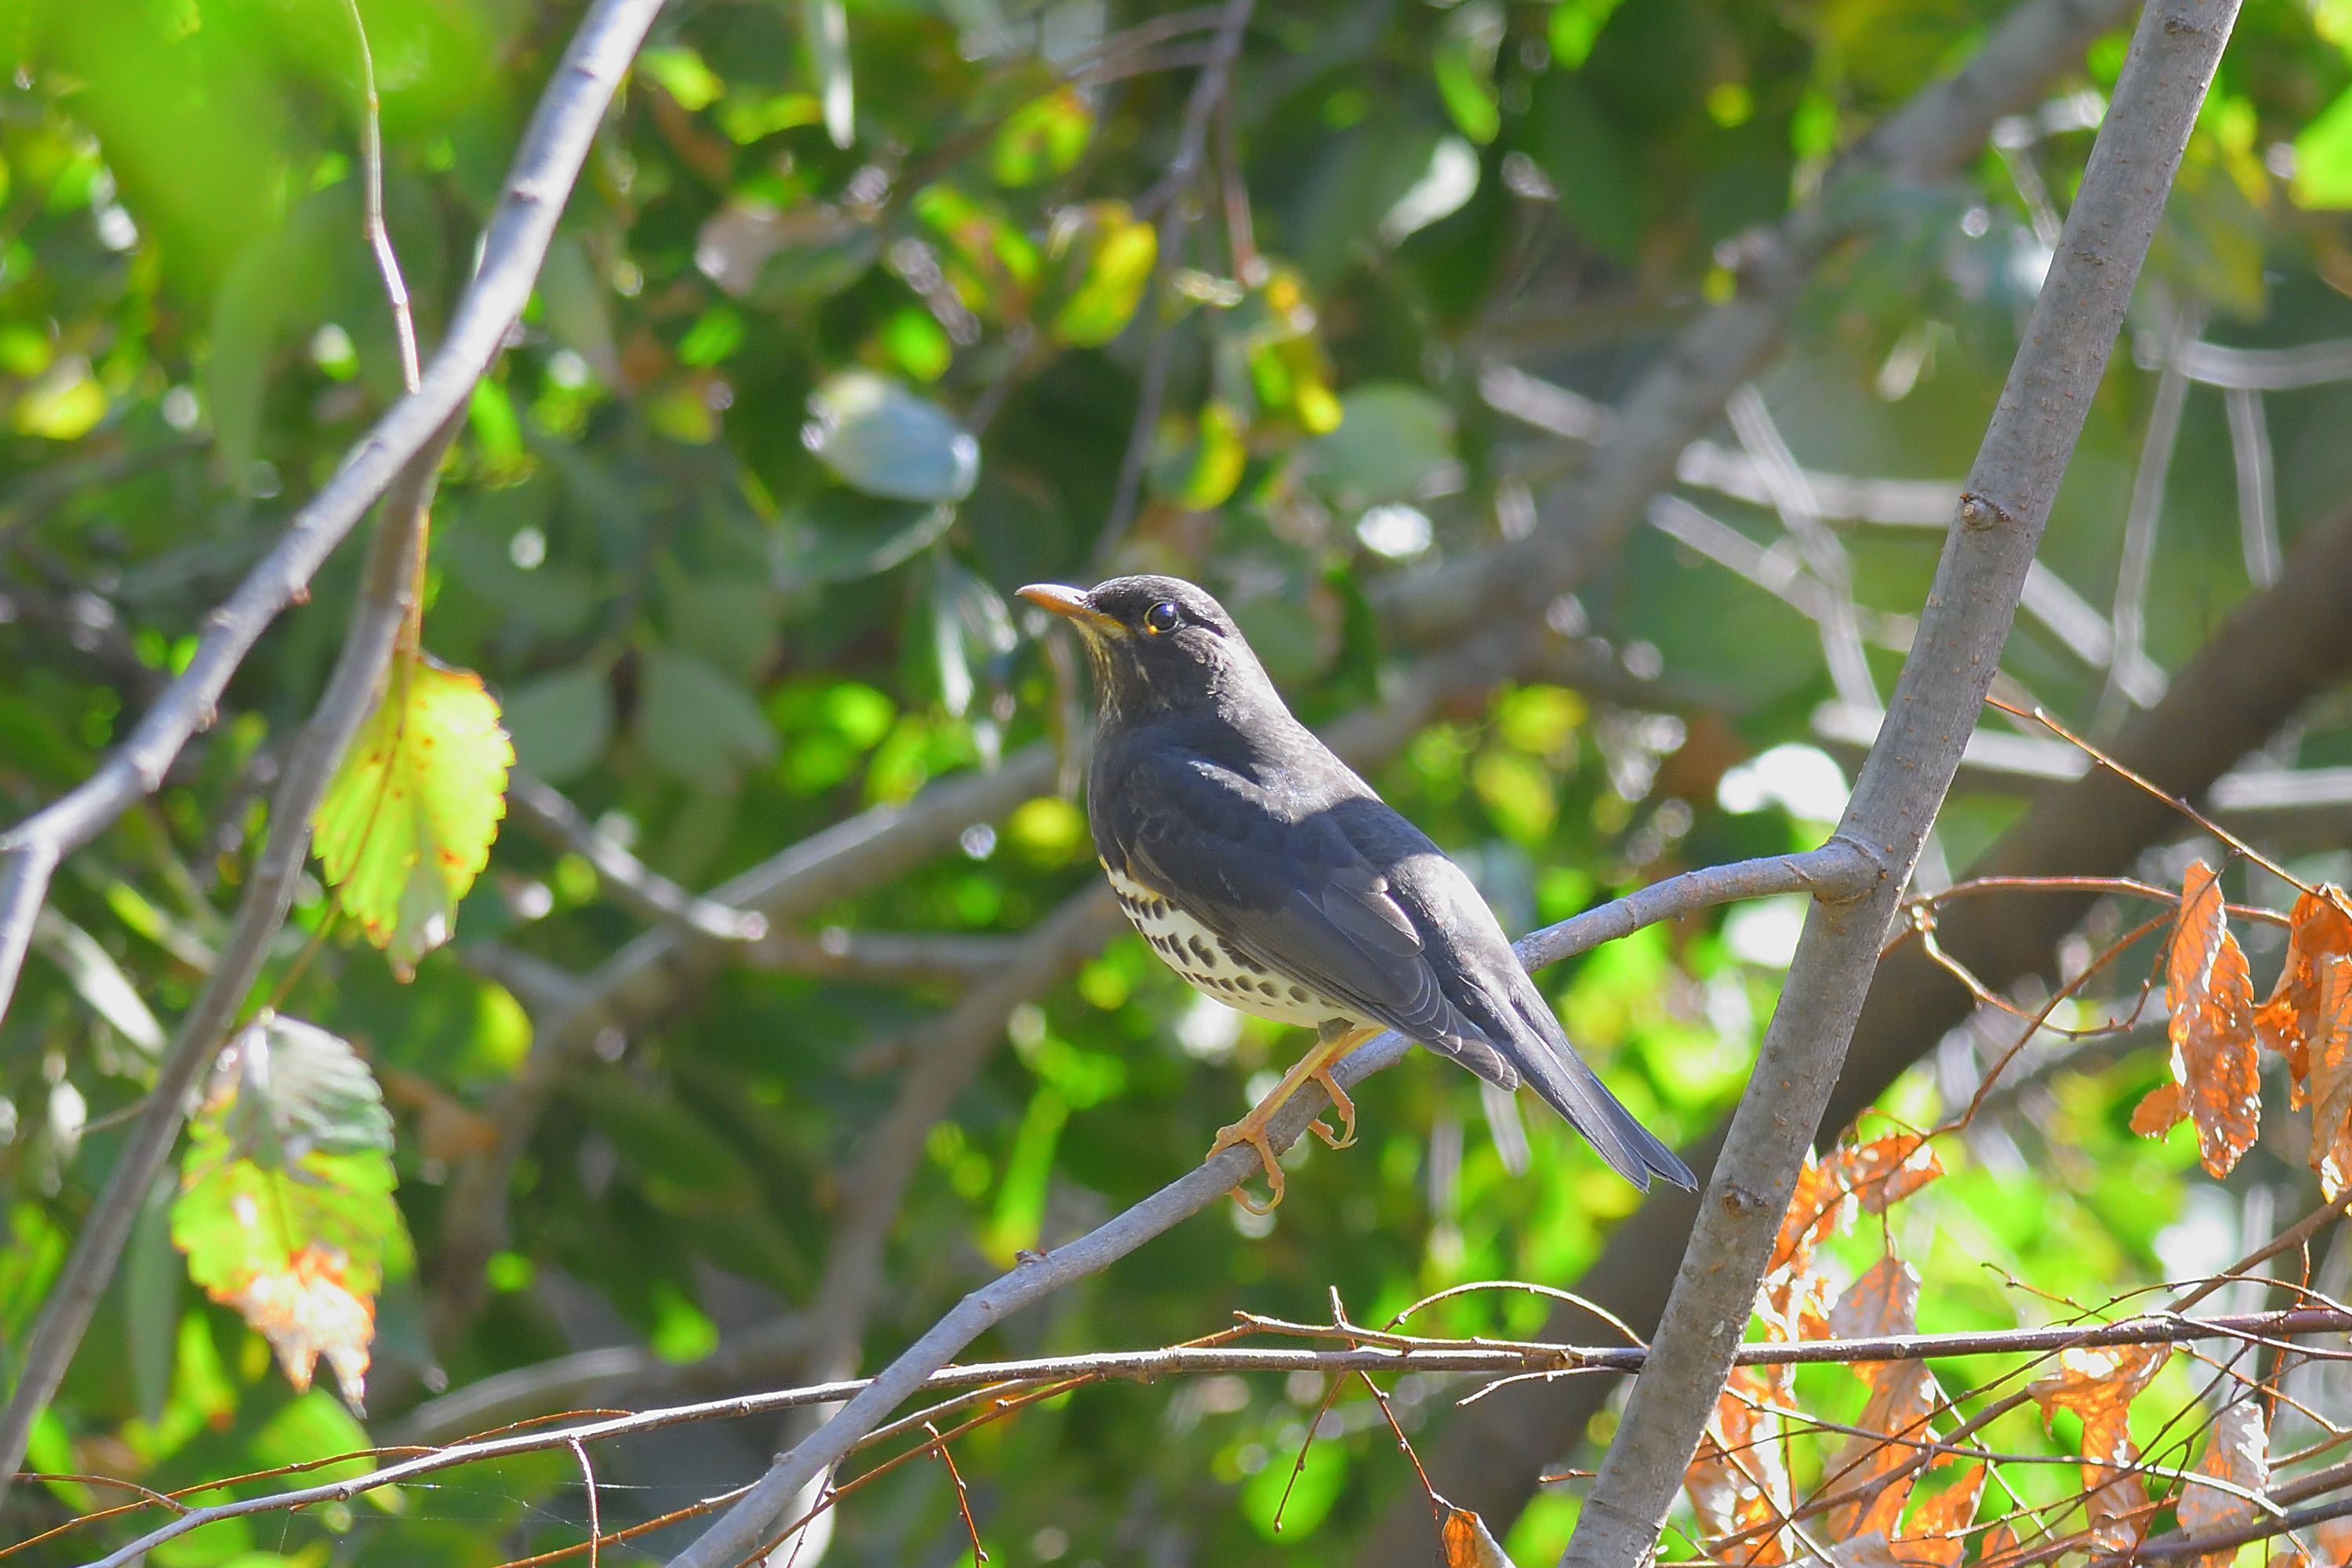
1162 618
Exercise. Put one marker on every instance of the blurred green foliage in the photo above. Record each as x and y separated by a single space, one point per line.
842 337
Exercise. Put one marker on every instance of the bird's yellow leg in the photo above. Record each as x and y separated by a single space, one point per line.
1315 1066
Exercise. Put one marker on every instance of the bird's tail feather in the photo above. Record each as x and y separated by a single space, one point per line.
1571 1088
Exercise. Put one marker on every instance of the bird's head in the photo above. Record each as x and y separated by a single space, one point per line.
1157 643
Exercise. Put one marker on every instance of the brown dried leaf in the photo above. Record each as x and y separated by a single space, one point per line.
2213 1025
2000 1541
305 1310
2328 1047
1934 1538
1885 1171
1903 1393
1885 1301
2159 1112
1464 1541
2322 929
2098 1383
1793 1297
1738 1479
2239 1452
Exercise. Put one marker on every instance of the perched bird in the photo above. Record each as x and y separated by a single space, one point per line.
1263 871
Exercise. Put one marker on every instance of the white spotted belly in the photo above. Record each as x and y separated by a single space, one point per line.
1212 968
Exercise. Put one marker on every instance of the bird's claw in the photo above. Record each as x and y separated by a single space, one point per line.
1346 1137
1251 1130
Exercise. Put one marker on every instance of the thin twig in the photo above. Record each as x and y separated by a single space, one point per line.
1175 224
544 808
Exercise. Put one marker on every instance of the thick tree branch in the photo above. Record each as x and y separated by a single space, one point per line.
520 228
1967 620
1833 869
2277 650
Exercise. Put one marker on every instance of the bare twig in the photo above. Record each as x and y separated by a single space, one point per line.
545 166
379 237
1359 1352
543 808
1962 631
1175 188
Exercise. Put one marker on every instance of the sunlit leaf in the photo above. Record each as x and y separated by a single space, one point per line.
2237 1452
1196 464
838 538
2099 1384
1464 1541
407 823
1102 258
2320 929
2323 157
2212 1023
1464 64
1042 138
885 441
285 1208
1935 1536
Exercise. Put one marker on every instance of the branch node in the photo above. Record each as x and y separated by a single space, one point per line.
1980 512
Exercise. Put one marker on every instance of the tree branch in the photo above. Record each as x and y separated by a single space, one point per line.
520 228
1962 628
1386 1353
1833 867
350 692
543 808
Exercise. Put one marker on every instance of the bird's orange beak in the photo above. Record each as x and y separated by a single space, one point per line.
1071 605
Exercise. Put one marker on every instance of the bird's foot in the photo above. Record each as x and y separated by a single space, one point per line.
1346 1136
1251 1130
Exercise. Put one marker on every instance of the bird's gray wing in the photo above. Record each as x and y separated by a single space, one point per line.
1294 894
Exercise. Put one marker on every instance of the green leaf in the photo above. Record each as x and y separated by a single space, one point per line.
2323 158
407 823
285 1209
1198 464
1043 138
1464 64
696 723
150 1302
1392 438
838 538
970 624
885 441
1575 27
684 75
562 721
729 621
1103 258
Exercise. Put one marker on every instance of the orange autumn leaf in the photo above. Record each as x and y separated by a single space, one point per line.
2239 1455
1894 1423
2098 1383
1935 1537
1464 1541
1884 1301
2159 1112
1738 1480
2327 1048
2321 930
1885 1171
2212 1023
306 1310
